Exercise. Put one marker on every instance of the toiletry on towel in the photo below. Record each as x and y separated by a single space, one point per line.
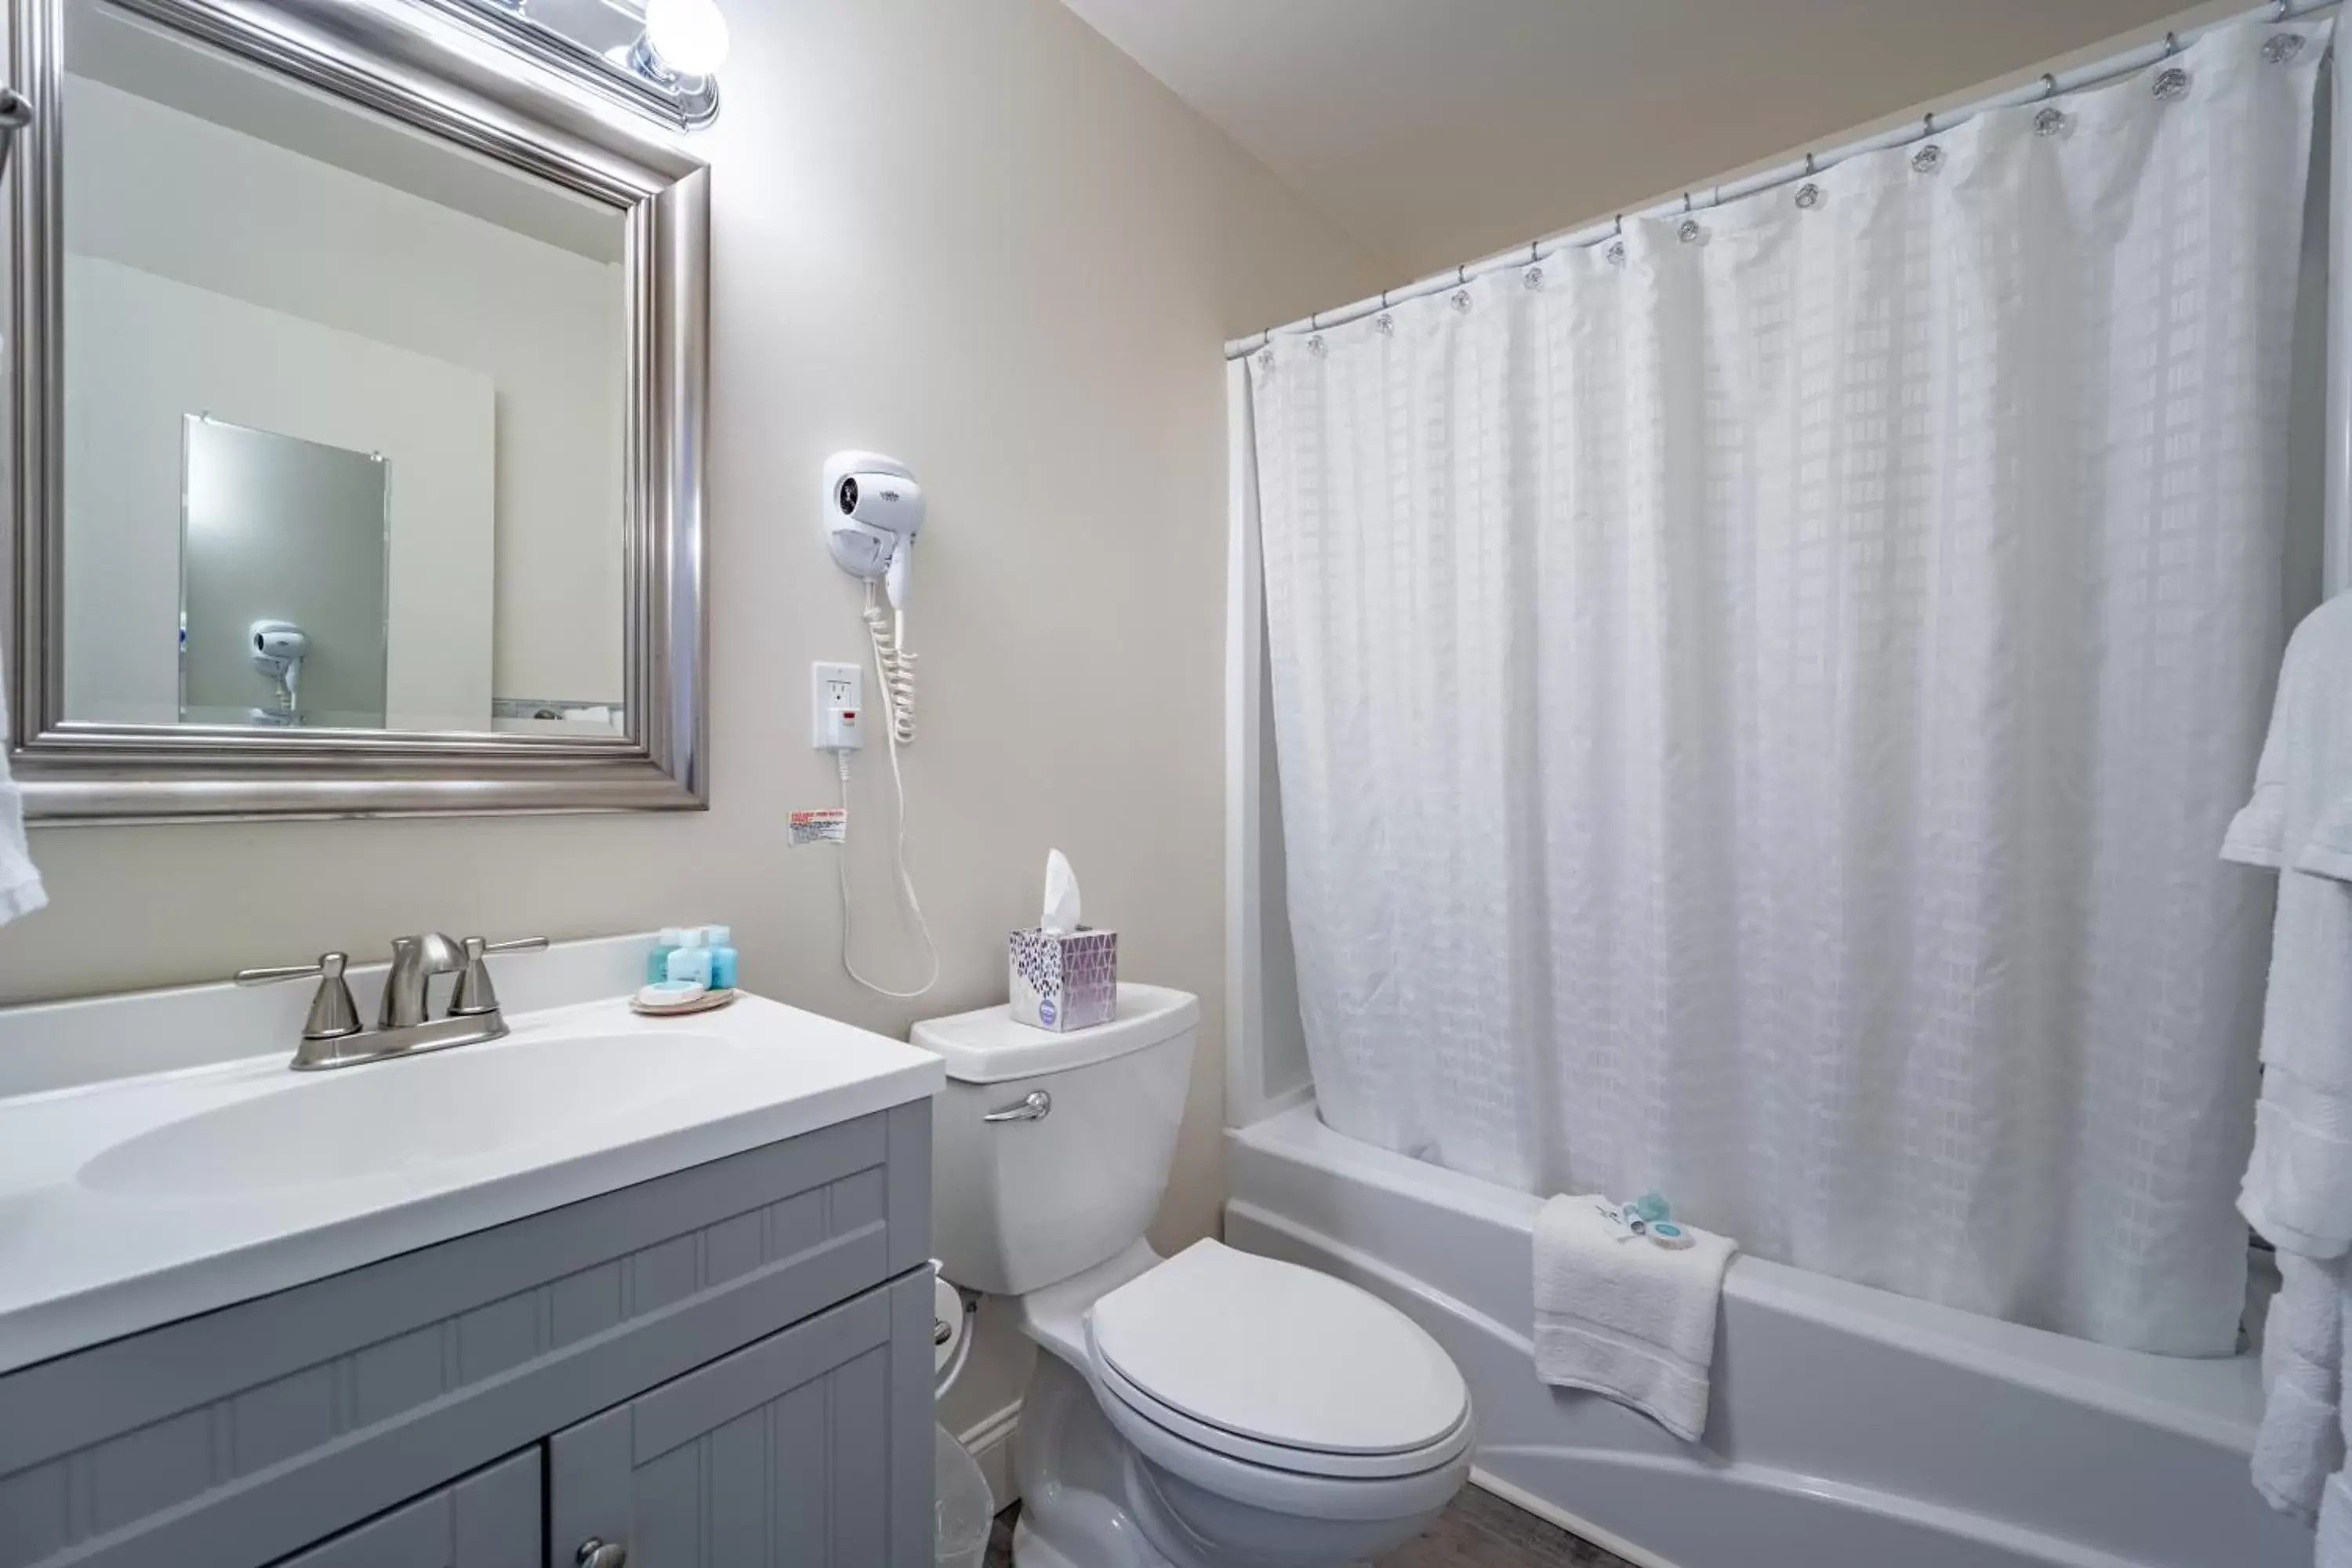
1622 1315
20 883
2298 1186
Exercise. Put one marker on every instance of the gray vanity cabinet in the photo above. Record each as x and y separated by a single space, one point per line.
742 1346
490 1519
779 1454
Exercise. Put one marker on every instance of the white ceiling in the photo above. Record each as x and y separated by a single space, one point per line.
1439 130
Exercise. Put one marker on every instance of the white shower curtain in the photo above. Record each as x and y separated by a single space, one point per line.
1758 703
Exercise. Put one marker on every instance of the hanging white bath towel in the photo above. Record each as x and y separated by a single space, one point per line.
21 891
2298 1185
2298 1182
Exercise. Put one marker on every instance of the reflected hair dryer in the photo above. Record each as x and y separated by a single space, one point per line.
279 650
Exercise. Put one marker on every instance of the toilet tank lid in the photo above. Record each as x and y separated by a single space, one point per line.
985 1046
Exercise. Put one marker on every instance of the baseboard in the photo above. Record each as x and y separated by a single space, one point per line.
990 1442
1583 1528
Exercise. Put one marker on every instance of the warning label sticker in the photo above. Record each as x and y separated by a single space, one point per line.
820 827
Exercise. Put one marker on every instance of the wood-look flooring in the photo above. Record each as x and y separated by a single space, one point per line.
1476 1530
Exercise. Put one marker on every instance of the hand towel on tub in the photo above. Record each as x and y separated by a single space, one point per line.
1624 1317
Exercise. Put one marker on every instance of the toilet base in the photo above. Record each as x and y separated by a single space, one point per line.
1089 1500
1071 1467
1028 1551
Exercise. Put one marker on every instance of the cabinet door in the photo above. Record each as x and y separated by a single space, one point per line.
812 1448
490 1519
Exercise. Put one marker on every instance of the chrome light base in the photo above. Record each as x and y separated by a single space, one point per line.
601 45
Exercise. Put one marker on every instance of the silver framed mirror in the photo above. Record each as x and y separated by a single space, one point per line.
355 386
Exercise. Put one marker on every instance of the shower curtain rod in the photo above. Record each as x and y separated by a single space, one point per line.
1699 198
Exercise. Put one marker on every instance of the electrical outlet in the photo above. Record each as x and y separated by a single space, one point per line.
837 705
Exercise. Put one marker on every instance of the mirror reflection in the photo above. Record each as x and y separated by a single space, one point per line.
282 581
343 412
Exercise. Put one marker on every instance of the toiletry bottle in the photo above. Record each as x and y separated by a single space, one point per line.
672 938
719 940
691 961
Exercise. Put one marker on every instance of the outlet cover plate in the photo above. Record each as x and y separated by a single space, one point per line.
833 685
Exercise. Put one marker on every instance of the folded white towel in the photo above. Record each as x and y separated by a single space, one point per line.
2301 1442
2300 1171
1626 1318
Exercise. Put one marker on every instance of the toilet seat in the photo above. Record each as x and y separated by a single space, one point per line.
1279 1366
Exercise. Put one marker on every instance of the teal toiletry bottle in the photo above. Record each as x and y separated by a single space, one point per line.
691 961
719 942
672 938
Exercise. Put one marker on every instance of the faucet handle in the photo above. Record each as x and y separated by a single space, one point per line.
475 995
332 1012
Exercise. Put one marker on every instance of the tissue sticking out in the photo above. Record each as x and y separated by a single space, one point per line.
1061 916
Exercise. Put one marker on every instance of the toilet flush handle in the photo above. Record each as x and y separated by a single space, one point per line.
1033 1107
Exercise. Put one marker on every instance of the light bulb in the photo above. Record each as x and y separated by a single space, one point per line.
690 37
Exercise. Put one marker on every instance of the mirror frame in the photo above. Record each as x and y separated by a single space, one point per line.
408 63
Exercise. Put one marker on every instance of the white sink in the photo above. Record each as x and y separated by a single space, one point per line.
134 1201
404 1115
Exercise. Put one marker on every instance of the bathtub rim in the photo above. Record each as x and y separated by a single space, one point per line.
2216 1400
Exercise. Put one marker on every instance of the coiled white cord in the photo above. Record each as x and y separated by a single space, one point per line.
893 670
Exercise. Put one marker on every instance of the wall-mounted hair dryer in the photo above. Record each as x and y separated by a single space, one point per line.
873 509
279 650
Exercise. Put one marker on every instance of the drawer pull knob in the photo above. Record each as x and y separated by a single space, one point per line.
595 1553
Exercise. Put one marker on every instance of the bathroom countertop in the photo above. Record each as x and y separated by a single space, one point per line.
132 1202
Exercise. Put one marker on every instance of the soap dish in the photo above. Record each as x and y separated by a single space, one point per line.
700 1002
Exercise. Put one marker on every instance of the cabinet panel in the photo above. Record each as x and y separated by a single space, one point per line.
812 1448
490 1519
233 1438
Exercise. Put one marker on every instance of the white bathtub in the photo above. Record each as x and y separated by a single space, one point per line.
1849 1427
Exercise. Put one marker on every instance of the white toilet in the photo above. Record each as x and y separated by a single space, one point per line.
1214 1410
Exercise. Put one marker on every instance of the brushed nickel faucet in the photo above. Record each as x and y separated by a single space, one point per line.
415 960
331 1036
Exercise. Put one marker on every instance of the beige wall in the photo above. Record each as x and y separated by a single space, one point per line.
975 235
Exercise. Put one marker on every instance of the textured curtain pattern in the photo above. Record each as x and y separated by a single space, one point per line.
1758 704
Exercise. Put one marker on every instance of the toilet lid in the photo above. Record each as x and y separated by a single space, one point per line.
1280 1354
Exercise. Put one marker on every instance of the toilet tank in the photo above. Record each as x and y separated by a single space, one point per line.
1027 1201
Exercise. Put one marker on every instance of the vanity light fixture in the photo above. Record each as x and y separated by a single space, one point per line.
687 37
660 57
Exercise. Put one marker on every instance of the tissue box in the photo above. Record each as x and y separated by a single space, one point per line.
1063 983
